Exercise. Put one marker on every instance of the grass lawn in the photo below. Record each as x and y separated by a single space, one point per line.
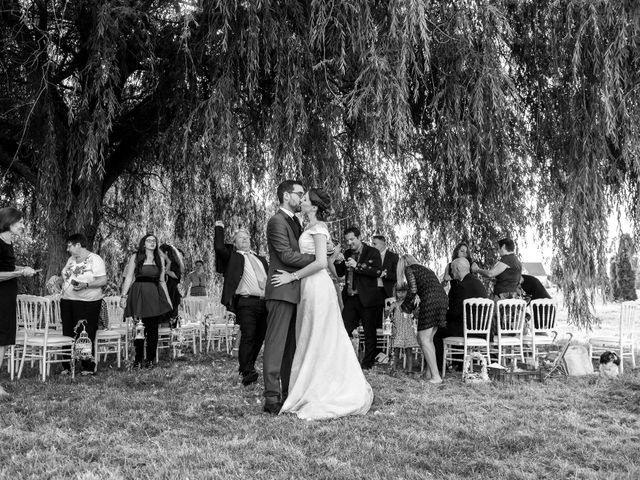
192 419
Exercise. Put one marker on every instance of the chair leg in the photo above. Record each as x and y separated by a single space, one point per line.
621 359
444 360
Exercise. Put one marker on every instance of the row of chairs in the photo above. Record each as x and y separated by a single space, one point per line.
206 324
511 340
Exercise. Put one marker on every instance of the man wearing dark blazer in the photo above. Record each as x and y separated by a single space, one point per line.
467 287
361 296
283 231
245 278
387 278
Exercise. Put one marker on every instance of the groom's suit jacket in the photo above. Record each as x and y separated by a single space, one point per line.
231 264
365 276
284 254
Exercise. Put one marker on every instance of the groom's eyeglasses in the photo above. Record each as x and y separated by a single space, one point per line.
300 194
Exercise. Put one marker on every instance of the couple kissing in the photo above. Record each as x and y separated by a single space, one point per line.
310 367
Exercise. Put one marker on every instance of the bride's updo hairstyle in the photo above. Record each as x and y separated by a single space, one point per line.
319 198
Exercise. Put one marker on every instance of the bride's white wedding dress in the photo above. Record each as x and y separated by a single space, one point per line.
326 378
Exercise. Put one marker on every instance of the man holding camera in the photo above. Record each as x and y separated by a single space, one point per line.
361 296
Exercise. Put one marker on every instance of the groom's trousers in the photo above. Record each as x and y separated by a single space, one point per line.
279 348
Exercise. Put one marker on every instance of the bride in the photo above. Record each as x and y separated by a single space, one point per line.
326 378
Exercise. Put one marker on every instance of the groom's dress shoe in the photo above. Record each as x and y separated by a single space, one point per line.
272 408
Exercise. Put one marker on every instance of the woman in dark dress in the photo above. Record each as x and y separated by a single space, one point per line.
11 226
174 268
423 284
145 296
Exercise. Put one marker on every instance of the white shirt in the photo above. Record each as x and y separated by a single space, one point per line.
85 271
382 254
289 214
249 284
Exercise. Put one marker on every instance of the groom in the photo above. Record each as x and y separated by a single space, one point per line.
283 231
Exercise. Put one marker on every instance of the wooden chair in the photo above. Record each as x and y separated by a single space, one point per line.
37 344
477 316
624 342
541 326
510 315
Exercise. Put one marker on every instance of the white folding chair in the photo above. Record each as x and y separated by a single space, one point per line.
37 344
477 315
220 328
541 326
510 315
10 356
624 342
118 323
108 342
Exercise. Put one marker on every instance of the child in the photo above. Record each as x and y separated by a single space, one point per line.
403 335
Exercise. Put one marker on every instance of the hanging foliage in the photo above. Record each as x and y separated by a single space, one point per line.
431 122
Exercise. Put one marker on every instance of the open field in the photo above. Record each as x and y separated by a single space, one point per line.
192 419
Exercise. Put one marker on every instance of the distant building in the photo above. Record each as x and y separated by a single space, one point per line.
537 270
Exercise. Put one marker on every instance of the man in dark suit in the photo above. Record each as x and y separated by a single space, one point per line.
468 287
283 231
362 300
387 278
245 278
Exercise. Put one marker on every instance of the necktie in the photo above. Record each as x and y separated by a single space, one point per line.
296 220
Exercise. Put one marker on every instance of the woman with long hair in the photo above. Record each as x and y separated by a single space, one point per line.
11 227
424 288
461 250
145 295
174 269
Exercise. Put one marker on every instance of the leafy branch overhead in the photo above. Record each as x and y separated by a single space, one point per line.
451 119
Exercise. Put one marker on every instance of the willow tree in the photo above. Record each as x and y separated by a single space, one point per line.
86 88
462 119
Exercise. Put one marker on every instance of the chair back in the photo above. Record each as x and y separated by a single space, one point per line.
115 312
56 316
477 315
629 316
543 315
510 316
34 314
191 306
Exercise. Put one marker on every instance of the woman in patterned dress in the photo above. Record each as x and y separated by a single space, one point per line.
425 289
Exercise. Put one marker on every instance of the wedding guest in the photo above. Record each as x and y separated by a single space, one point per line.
403 336
387 277
11 227
506 271
534 290
245 278
145 296
360 295
469 287
83 277
174 268
533 287
461 250
423 284
336 255
197 281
